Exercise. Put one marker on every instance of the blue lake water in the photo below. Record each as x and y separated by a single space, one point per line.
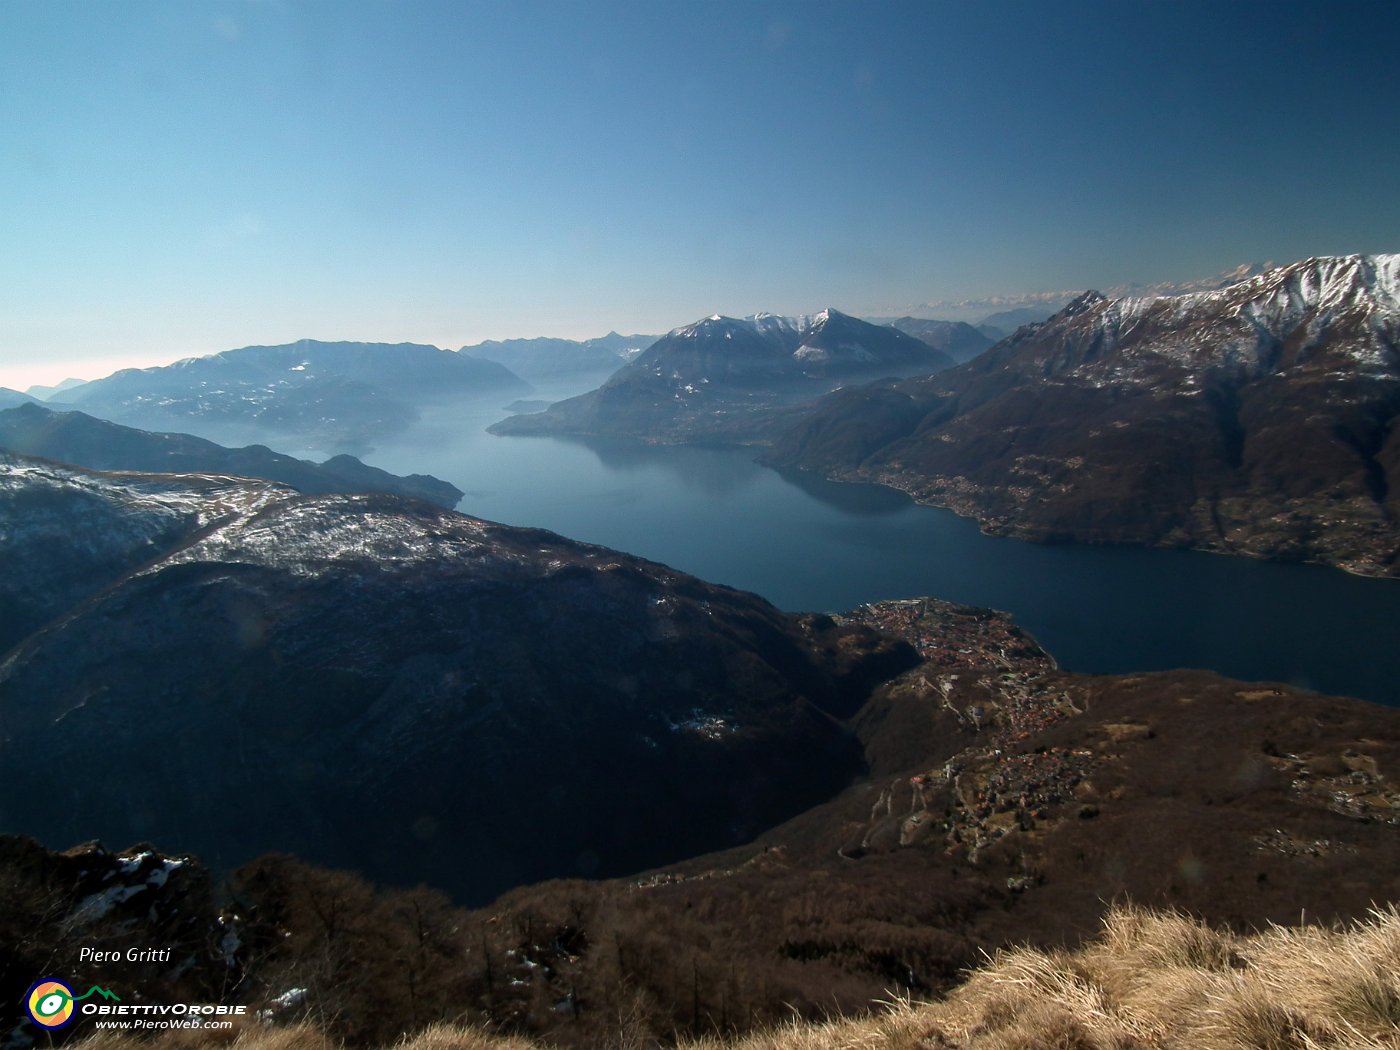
809 544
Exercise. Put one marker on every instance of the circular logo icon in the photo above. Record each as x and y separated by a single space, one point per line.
50 1003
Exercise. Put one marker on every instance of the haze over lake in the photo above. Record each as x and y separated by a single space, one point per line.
809 544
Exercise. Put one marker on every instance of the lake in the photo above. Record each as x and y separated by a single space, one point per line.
807 544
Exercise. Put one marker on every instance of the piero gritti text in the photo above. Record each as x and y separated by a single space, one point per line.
131 955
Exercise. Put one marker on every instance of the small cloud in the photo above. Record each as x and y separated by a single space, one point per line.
776 38
229 29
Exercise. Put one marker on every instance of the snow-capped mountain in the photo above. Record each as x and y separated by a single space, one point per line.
68 533
232 667
1257 418
1007 313
731 378
1337 313
826 343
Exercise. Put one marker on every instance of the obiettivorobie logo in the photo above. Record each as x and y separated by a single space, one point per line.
51 1003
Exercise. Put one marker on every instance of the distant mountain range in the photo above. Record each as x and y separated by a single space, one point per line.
335 396
730 378
1259 418
1255 416
9 398
1009 312
234 667
543 360
999 325
82 440
44 393
959 341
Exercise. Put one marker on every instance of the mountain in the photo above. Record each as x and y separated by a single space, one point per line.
9 398
542 359
231 667
82 440
729 379
1005 802
43 393
1007 321
338 396
1008 312
1256 419
959 341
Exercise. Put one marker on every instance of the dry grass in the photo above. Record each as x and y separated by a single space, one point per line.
1152 980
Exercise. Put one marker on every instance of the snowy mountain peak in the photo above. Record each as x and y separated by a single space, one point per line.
1327 284
707 326
1336 282
1332 314
827 316
1087 301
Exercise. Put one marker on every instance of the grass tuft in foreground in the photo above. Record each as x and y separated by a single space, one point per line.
1150 980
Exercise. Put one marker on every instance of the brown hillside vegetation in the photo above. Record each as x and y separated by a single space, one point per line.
1005 803
1151 979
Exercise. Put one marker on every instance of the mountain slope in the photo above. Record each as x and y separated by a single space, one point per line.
67 534
1256 419
381 684
10 398
1006 803
45 393
958 340
339 396
80 439
732 379
543 359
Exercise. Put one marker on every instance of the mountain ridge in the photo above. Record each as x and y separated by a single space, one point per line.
732 379
86 441
1254 419
338 396
337 673
543 359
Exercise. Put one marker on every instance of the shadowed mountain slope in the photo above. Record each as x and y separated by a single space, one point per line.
381 684
958 340
82 440
1006 802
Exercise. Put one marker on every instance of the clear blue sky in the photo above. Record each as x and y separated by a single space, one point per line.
180 178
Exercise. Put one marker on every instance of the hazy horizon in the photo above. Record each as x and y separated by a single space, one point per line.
188 178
